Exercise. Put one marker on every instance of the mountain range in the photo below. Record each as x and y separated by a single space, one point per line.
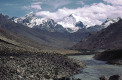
108 38
46 31
43 37
71 23
67 24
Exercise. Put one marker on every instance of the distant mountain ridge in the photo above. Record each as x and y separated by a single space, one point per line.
44 37
71 23
108 38
68 24
32 21
110 21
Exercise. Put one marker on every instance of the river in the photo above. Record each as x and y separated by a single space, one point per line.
95 68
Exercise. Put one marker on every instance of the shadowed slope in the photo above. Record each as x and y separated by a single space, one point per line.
109 38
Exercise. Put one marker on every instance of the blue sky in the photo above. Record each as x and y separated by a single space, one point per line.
21 7
90 11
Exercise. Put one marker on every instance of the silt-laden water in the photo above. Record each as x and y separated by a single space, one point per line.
95 68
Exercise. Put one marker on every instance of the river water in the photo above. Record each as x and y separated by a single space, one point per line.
95 68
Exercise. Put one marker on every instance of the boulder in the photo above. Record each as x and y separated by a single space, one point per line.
115 77
103 78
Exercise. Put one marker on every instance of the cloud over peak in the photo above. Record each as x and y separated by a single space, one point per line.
90 14
36 5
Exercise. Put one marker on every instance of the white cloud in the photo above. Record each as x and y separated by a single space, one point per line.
114 2
58 3
55 3
54 15
90 14
37 7
87 16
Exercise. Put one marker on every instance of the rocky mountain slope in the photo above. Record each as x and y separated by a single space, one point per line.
19 41
110 21
108 38
104 25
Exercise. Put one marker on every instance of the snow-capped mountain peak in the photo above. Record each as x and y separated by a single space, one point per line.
29 20
32 21
31 14
69 19
110 21
70 22
72 15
